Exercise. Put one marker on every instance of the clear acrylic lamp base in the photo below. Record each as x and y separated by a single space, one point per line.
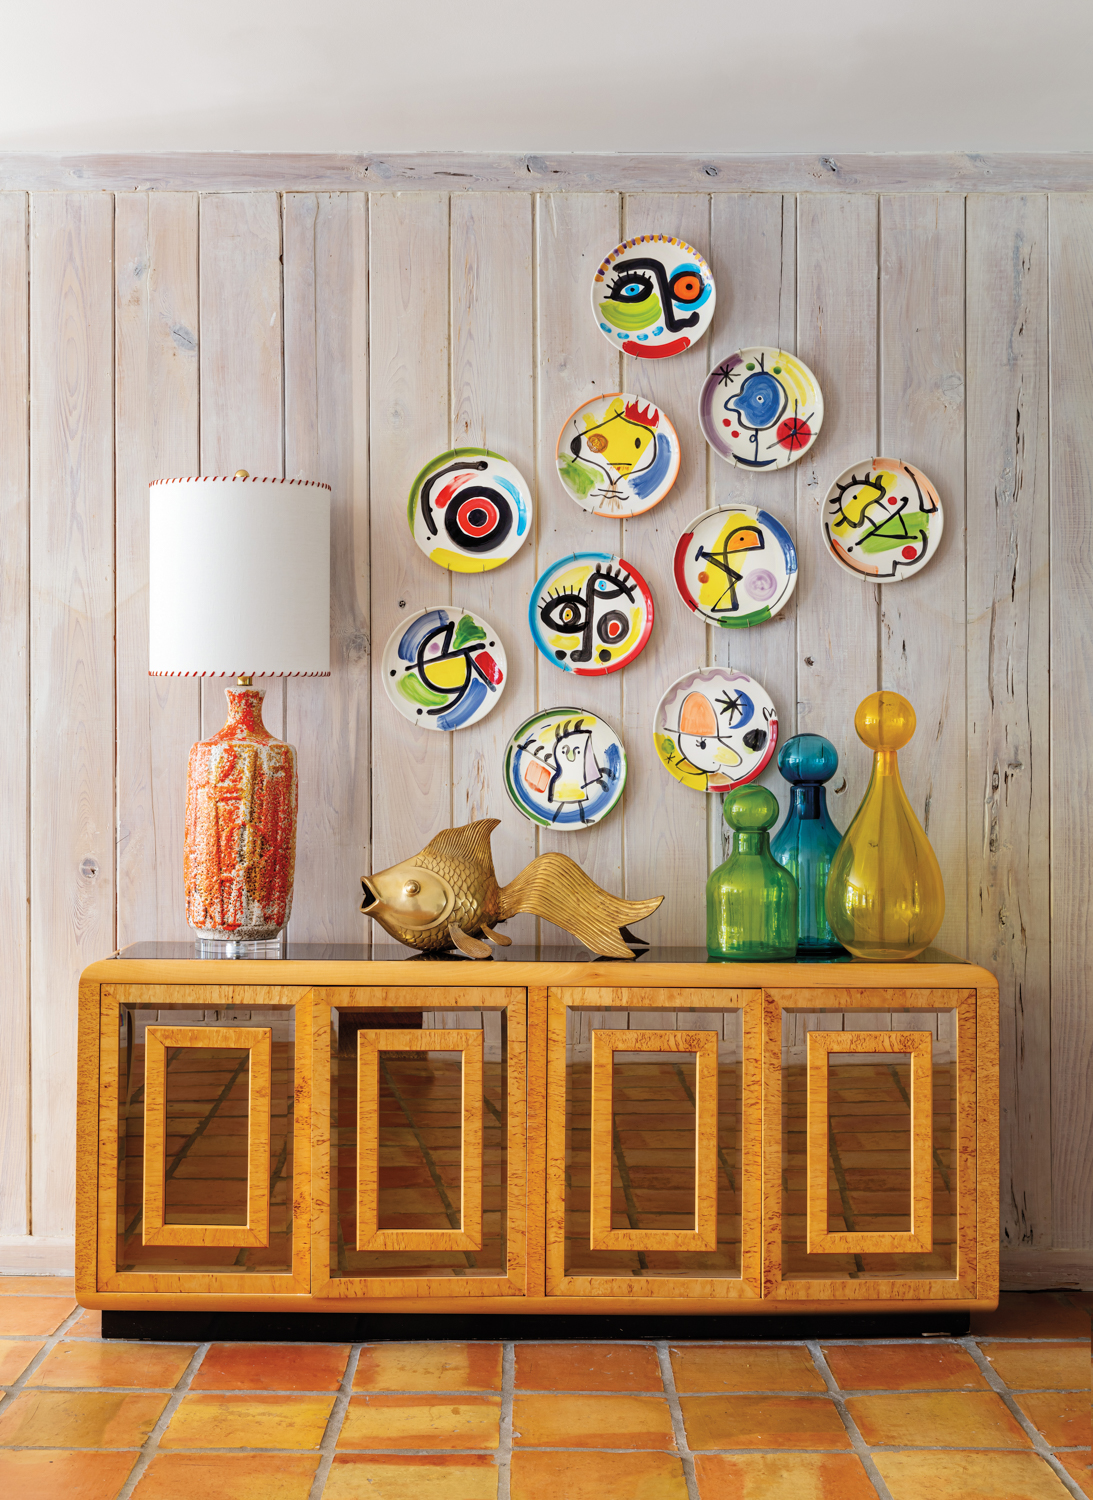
220 947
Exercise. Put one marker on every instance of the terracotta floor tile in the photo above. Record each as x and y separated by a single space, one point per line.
762 1422
599 1421
228 1476
745 1367
390 1476
207 1421
421 1421
1040 1367
34 1314
79 1419
783 1476
587 1367
272 1367
87 1326
1062 1417
589 1475
1080 1469
969 1476
53 1474
904 1367
143 1365
428 1367
1031 1315
15 1355
37 1286
949 1419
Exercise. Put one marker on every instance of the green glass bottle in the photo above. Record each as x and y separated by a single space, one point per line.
751 901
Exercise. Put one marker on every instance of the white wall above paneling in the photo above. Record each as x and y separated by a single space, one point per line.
342 75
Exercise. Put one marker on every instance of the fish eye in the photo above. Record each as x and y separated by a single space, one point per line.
411 888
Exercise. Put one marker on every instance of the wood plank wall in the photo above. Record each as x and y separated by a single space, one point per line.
351 335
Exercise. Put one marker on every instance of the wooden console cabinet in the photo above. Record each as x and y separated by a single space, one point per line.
392 1134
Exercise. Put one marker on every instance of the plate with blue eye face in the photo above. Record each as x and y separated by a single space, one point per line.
653 296
761 409
590 613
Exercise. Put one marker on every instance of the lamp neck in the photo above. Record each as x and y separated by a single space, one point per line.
244 721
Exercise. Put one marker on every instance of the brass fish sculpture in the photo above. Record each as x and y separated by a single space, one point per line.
448 894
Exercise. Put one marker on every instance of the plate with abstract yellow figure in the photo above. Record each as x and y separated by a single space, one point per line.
565 768
882 520
761 409
735 566
590 613
715 729
618 455
444 668
470 510
653 296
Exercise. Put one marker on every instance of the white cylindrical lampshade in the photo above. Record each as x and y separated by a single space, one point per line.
239 577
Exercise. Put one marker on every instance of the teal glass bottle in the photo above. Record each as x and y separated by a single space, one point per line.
751 901
806 842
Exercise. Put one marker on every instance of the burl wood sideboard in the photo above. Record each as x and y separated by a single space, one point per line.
346 1130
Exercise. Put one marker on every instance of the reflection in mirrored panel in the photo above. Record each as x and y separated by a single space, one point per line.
205 1157
420 1143
869 1146
653 1145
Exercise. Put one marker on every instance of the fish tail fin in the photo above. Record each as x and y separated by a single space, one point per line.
555 887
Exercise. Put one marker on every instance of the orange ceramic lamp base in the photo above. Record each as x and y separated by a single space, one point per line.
240 827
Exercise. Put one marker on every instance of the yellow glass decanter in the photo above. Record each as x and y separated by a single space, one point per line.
885 896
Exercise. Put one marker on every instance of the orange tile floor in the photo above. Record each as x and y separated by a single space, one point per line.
1003 1414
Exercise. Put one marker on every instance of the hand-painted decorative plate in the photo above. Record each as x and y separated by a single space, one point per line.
735 566
444 668
715 729
653 296
761 409
565 768
590 613
882 520
470 510
618 455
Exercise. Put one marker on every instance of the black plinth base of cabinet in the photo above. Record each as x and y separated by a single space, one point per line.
377 1328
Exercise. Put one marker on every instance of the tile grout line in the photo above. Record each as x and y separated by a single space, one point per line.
668 1380
332 1432
857 1442
150 1446
1039 1442
51 1342
504 1440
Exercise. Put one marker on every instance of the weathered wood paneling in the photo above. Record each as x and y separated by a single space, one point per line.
414 321
14 690
1071 339
326 437
156 426
1008 698
71 659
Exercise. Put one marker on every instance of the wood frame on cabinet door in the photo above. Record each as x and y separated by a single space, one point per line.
746 1285
411 997
919 1045
201 1283
964 1284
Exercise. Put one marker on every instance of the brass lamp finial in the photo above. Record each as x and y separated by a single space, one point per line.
241 474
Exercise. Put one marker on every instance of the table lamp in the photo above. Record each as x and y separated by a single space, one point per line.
239 586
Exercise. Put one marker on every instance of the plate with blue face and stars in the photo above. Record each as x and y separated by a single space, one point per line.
653 296
761 409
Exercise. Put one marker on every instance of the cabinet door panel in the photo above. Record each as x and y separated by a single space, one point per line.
419 1142
204 1130
653 1126
869 1144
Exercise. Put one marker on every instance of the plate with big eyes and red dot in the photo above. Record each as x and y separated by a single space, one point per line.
882 520
591 613
761 409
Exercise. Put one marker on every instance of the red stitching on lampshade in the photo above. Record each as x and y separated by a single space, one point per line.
319 484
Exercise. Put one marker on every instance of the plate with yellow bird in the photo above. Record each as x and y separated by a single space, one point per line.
590 613
618 455
565 768
653 296
735 566
444 667
882 520
715 729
